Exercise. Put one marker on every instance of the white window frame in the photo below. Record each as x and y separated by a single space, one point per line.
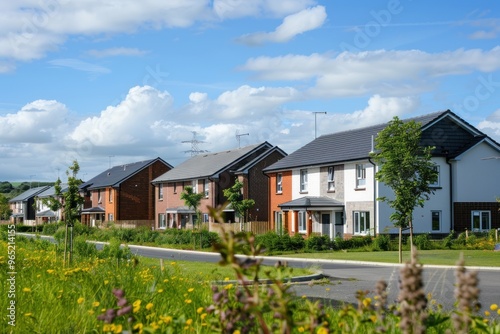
278 222
279 183
162 221
206 187
303 180
110 195
160 191
205 218
480 214
302 217
360 176
331 178
361 222
437 183
436 214
194 185
99 196
110 217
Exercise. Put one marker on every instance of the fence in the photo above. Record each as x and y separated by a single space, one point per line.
260 227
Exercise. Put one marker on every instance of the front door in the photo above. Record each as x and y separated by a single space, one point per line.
339 224
325 224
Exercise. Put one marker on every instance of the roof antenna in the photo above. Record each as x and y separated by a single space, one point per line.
238 137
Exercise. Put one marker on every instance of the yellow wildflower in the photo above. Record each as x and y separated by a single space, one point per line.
199 310
301 329
149 306
226 279
237 332
229 286
50 271
26 290
322 330
487 313
160 290
166 319
80 300
203 316
137 305
189 322
28 314
118 329
95 304
190 289
494 307
188 301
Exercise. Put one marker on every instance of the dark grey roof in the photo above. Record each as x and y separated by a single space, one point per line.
244 169
28 194
95 209
113 176
311 202
210 164
339 147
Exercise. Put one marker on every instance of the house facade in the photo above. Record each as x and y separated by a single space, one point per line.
122 193
43 213
23 206
210 174
328 186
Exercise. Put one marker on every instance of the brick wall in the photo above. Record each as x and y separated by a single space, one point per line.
462 214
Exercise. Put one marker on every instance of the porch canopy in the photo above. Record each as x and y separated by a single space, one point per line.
94 210
311 202
46 213
180 210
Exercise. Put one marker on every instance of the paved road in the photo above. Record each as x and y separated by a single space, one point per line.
345 278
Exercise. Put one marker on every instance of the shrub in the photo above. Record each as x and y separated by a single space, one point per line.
448 240
51 228
297 242
84 249
382 242
318 243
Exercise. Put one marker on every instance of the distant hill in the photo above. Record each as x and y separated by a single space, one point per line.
12 189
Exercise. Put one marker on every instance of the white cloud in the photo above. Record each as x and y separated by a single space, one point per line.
113 52
374 72
127 123
30 29
36 122
293 25
491 125
231 9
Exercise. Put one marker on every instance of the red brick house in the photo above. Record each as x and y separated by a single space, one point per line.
210 174
122 193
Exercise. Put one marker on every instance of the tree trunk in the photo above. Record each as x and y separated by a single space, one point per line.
400 244
65 245
411 238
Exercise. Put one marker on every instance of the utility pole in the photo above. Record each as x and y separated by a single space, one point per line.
194 145
238 138
315 114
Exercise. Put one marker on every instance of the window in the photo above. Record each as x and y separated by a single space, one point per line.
99 198
331 179
303 180
194 185
110 195
361 222
205 217
302 222
437 183
360 176
480 220
436 220
279 180
278 222
110 217
175 188
160 191
206 187
162 223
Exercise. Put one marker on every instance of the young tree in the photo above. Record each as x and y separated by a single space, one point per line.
5 210
71 202
192 200
235 197
406 167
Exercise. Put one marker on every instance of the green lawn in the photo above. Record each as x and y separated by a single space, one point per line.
483 258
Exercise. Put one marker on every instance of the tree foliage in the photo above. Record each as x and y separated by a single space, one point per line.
235 197
406 167
71 199
192 199
5 210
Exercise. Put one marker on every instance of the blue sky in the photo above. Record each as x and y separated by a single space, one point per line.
117 81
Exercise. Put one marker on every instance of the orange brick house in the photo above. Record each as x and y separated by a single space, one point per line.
122 193
210 174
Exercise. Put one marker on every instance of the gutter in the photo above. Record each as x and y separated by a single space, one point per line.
451 195
374 199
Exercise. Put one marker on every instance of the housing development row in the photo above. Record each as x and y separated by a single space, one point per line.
326 187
